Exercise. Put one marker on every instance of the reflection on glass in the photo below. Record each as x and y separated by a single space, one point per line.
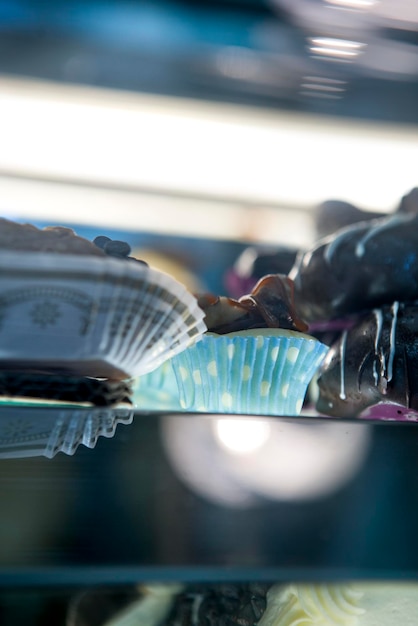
242 436
353 4
337 49
27 431
239 461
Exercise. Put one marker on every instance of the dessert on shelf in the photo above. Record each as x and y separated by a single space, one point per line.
358 290
256 356
80 319
358 604
250 604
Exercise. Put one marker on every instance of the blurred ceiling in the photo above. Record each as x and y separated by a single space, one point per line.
355 58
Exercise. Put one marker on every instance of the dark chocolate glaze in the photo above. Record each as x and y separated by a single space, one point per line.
219 605
269 305
374 361
409 202
359 268
332 215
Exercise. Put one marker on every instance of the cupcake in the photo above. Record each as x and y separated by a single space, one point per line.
71 307
255 358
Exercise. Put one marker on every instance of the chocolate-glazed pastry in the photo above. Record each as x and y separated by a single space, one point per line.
359 268
409 202
332 215
376 361
269 305
254 263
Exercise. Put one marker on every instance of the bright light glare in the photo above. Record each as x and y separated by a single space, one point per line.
241 436
204 150
353 4
288 461
343 48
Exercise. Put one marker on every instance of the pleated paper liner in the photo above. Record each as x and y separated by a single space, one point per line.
28 430
264 371
101 317
157 390
170 321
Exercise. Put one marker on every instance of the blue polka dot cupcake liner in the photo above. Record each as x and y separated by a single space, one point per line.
157 390
262 371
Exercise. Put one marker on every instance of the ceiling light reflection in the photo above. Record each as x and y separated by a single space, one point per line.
342 49
241 436
353 4
290 460
190 151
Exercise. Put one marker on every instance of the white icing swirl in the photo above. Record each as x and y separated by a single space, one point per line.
310 605
362 604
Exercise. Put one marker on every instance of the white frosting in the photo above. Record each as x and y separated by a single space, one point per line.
367 604
385 370
343 346
379 324
395 309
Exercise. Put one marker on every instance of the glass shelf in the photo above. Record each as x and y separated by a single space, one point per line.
176 497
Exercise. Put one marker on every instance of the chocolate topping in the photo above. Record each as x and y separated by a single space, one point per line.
374 361
269 305
359 268
332 215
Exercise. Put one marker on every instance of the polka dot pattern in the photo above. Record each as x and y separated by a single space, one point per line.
184 373
274 353
247 374
292 354
265 388
197 377
227 400
212 368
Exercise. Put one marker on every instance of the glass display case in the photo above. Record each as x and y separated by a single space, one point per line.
222 141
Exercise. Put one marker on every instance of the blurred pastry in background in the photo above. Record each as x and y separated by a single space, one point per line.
254 263
409 202
332 215
172 265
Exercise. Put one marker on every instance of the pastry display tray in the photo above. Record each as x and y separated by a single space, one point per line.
189 497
